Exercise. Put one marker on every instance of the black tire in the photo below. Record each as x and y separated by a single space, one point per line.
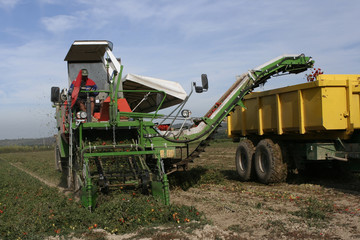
268 162
244 158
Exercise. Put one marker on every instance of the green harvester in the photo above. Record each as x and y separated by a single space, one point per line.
126 143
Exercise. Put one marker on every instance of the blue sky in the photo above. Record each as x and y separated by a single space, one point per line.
173 40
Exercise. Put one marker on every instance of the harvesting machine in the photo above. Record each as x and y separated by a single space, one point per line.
130 143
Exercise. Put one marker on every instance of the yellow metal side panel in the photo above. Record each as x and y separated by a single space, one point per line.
269 116
260 118
312 108
339 77
289 110
355 110
278 115
301 112
251 116
334 107
229 127
235 121
330 103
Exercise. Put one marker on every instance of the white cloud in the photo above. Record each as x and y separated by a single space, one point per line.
60 23
50 1
29 70
8 4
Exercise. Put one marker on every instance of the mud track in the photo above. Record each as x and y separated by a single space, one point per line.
46 182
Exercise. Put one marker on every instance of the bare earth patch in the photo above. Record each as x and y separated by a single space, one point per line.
326 207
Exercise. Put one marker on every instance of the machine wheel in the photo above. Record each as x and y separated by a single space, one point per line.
244 158
58 162
269 165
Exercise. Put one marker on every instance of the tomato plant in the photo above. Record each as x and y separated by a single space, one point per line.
30 209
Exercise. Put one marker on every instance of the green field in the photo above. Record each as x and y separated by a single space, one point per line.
30 209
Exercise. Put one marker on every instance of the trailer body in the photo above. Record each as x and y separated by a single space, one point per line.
313 121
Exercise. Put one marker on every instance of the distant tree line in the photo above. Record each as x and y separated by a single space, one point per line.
48 141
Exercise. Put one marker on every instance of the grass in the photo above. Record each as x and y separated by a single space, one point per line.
15 148
41 163
197 176
315 211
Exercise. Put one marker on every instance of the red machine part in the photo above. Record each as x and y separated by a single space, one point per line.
163 127
122 106
213 109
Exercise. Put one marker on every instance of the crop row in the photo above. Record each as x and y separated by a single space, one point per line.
15 148
30 209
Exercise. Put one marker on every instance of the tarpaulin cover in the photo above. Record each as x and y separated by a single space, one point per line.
175 94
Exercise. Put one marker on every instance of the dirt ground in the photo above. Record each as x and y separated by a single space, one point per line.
320 206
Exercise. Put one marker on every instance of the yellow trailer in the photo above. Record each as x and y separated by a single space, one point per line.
317 120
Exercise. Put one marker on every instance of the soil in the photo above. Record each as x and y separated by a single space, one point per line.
321 205
324 205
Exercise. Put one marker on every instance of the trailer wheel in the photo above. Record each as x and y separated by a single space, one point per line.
243 159
269 166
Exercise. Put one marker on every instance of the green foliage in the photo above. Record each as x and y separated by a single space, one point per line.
223 142
32 210
315 209
196 176
40 163
187 179
213 176
47 141
16 148
123 212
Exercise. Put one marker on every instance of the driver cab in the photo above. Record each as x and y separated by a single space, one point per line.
103 67
135 93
